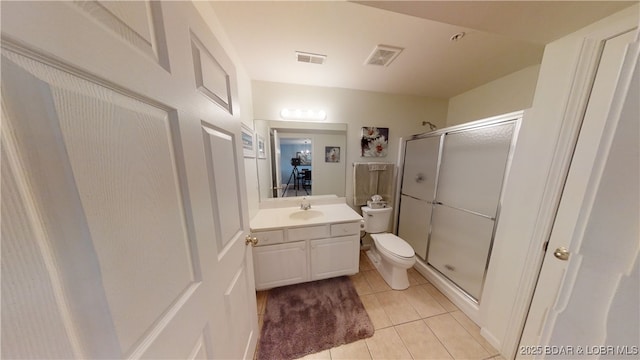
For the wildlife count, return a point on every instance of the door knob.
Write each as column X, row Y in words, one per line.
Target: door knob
column 251, row 240
column 562, row 253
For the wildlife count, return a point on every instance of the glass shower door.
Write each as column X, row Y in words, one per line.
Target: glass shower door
column 418, row 191
column 469, row 185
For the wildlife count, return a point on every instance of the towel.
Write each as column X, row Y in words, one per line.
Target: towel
column 372, row 179
column 379, row 166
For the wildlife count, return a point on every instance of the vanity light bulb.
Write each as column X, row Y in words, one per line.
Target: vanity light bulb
column 299, row 114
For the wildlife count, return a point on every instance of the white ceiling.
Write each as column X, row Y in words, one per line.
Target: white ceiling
column 501, row 37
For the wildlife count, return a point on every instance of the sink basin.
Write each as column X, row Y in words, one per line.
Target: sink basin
column 306, row 214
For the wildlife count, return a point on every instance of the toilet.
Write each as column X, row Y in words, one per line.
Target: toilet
column 391, row 255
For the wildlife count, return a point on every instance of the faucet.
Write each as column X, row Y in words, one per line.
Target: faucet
column 305, row 204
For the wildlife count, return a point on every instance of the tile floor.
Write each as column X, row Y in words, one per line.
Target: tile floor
column 416, row 323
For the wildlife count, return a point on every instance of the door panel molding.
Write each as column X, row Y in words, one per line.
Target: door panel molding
column 223, row 182
column 143, row 31
column 12, row 47
column 82, row 148
column 23, row 233
column 212, row 80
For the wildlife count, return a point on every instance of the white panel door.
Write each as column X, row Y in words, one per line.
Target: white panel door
column 592, row 299
column 275, row 159
column 128, row 206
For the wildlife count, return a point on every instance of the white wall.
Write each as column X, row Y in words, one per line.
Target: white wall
column 402, row 114
column 507, row 94
column 533, row 178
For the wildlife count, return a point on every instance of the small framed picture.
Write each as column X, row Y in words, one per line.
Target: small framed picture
column 305, row 157
column 248, row 144
column 332, row 154
column 262, row 151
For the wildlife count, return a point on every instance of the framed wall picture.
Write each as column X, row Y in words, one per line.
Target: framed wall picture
column 305, row 157
column 374, row 141
column 248, row 143
column 262, row 151
column 332, row 154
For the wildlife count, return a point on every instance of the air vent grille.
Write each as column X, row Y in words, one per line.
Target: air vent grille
column 383, row 55
column 310, row 58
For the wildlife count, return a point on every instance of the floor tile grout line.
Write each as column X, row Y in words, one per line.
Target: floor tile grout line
column 367, row 345
column 440, row 340
column 490, row 352
column 434, row 334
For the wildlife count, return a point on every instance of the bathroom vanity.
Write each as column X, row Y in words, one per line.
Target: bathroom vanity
column 295, row 245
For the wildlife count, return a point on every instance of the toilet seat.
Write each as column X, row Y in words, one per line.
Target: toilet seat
column 393, row 245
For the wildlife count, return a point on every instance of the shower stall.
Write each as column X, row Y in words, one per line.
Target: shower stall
column 449, row 200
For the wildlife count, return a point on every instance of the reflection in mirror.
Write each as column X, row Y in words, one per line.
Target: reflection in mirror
column 296, row 167
column 313, row 147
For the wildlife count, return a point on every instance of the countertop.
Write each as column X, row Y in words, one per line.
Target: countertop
column 285, row 217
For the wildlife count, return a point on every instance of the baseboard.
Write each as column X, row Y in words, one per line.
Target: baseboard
column 491, row 339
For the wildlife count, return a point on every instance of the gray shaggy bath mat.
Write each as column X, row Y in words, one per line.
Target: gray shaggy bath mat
column 307, row 318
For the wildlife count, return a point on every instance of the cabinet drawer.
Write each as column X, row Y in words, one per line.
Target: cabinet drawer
column 309, row 232
column 269, row 237
column 345, row 229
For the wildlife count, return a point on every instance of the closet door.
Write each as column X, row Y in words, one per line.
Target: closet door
column 470, row 181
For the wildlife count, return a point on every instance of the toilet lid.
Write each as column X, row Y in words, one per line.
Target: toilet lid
column 394, row 245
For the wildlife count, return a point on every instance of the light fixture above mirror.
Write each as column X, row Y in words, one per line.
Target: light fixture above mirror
column 303, row 115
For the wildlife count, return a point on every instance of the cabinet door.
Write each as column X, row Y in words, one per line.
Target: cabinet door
column 279, row 265
column 334, row 257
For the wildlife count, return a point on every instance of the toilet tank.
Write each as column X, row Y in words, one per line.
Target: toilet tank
column 376, row 220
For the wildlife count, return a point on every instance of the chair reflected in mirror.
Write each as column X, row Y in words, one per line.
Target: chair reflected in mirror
column 304, row 179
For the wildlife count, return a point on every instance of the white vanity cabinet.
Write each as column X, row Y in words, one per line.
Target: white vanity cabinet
column 305, row 253
column 337, row 255
column 279, row 265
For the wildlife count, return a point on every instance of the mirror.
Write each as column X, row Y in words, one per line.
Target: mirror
column 293, row 146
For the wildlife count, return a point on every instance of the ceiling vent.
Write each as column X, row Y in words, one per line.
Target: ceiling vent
column 310, row 58
column 383, row 55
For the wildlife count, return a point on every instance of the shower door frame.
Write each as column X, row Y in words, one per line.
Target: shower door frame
column 513, row 117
